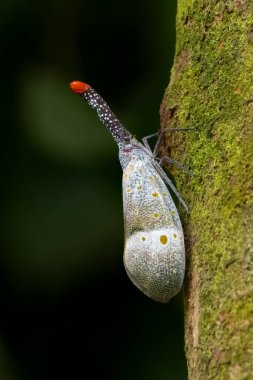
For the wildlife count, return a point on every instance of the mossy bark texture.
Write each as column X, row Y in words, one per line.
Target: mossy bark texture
column 211, row 90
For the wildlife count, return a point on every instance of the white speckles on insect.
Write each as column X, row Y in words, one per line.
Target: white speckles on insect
column 154, row 253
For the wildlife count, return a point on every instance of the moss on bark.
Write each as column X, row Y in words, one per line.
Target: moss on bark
column 211, row 89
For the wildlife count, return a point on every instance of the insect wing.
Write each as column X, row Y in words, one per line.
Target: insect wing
column 154, row 244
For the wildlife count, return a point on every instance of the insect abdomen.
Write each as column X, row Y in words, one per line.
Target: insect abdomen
column 154, row 261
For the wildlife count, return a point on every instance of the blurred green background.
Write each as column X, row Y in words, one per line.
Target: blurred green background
column 67, row 305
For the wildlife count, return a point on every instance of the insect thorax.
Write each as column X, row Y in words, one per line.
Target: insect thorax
column 126, row 152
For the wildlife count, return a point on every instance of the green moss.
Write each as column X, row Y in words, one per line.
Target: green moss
column 211, row 90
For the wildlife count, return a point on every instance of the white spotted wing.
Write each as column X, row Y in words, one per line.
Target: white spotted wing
column 154, row 253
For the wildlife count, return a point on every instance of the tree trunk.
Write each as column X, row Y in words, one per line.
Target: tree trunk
column 211, row 90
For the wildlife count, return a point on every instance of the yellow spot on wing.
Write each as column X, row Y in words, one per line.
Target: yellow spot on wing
column 155, row 195
column 139, row 187
column 175, row 235
column 128, row 190
column 143, row 238
column 156, row 215
column 163, row 239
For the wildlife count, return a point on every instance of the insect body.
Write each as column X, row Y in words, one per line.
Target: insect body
column 154, row 253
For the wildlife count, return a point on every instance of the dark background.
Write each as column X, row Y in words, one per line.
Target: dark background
column 67, row 305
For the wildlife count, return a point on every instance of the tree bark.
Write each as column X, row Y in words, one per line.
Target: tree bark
column 211, row 90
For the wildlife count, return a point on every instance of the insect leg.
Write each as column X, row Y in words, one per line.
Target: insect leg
column 162, row 134
column 145, row 141
column 169, row 182
column 171, row 161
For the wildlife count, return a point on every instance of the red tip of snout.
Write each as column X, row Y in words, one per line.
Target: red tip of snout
column 79, row 87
